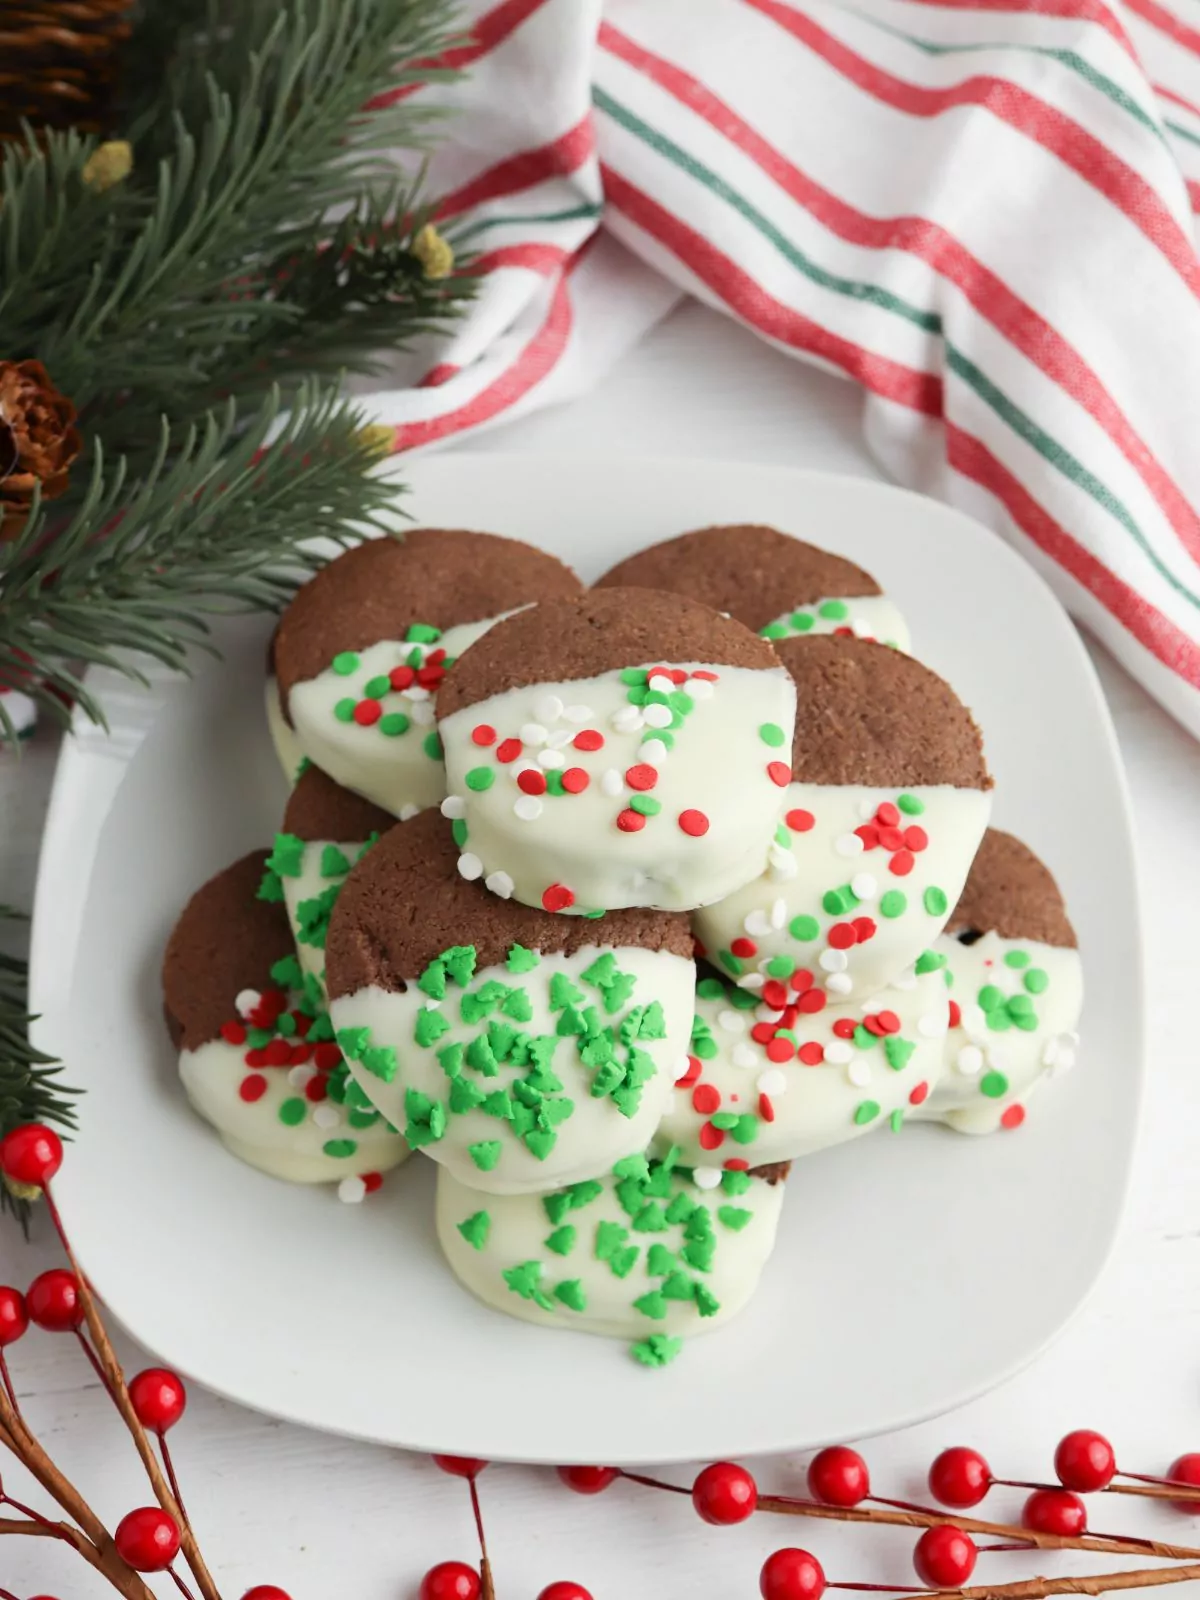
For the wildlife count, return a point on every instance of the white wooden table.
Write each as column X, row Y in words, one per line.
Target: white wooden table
column 330, row 1520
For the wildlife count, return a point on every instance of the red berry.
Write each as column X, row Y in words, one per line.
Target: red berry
column 460, row 1466
column 450, row 1581
column 147, row 1539
column 724, row 1494
column 14, row 1317
column 159, row 1398
column 1055, row 1511
column 791, row 1575
column 53, row 1301
column 838, row 1476
column 960, row 1478
column 32, row 1154
column 564, row 1590
column 944, row 1557
column 1085, row 1461
column 1186, row 1469
column 588, row 1480
column 266, row 1591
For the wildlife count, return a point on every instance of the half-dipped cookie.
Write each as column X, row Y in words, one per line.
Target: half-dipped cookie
column 361, row 650
column 257, row 1055
column 774, row 583
column 627, row 748
column 1016, row 990
column 889, row 799
column 284, row 738
column 519, row 1049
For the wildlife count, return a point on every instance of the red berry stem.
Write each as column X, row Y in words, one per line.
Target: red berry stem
column 653, row 1483
column 94, row 1362
column 180, row 1585
column 165, row 1451
column 487, row 1590
column 28, row 1511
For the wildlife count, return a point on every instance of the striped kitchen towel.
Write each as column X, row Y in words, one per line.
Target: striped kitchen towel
column 979, row 210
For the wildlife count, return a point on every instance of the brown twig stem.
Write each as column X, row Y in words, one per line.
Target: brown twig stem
column 1160, row 1489
column 123, row 1578
column 6, row 1379
column 1101, row 1583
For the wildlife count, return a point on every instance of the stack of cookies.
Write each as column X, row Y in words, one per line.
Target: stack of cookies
column 614, row 903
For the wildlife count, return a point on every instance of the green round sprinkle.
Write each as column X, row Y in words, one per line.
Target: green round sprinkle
column 993, row 1084
column 667, row 740
column 990, row 998
column 834, row 610
column 458, row 830
column 1020, row 1006
column 646, row 804
column 393, row 724
column 804, row 928
column 910, row 805
column 345, row 663
column 1036, row 980
column 780, row 967
column 893, row 904
column 432, row 746
column 422, row 633
column 730, row 962
column 682, row 702
column 866, row 1112
column 1017, row 958
column 773, row 630
column 339, row 1148
column 783, row 837
column 344, row 711
column 771, row 733
column 743, row 999
column 835, row 902
column 634, row 675
column 554, row 782
column 803, row 621
column 710, row 989
column 480, row 778
column 293, row 1111
column 935, row 900
column 377, row 687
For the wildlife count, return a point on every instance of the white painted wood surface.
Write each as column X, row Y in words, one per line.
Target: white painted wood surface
column 331, row 1520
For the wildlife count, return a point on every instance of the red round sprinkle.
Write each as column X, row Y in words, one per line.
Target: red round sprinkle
column 630, row 821
column 780, row 1050
column 709, row 677
column 902, row 863
column 373, row 1181
column 255, row 1058
column 316, row 1089
column 278, row 1053
column 891, row 838
column 844, row 1027
column 812, row 1000
column 367, row 712
column 558, row 897
column 916, row 838
column 889, row 1022
column 801, row 980
column 800, row 821
column 233, row 1032
column 693, row 822
column 429, row 676
column 736, row 1164
column 589, row 739
column 1013, row 1117
column 919, row 1095
column 691, row 1075
column 765, row 1109
column 788, row 1019
column 531, row 781
column 575, row 780
column 762, row 1032
column 401, row 678
column 326, row 1056
column 301, row 1055
column 641, row 776
column 779, row 772
column 873, row 1025
column 253, row 1087
column 435, row 657
column 841, row 936
column 887, row 815
column 706, row 1099
column 864, row 929
column 773, row 992
column 745, row 948
column 508, row 750
column 483, row 733
column 868, row 835
column 711, row 1138
column 955, row 1014
column 811, row 1053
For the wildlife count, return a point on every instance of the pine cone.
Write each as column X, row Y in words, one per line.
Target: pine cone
column 38, row 441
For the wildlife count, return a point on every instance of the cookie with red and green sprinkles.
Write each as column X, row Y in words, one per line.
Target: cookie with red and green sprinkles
column 775, row 583
column 775, row 1074
column 519, row 1049
column 257, row 1055
column 646, row 1252
column 326, row 829
column 888, row 800
column 1015, row 982
column 362, row 648
column 621, row 749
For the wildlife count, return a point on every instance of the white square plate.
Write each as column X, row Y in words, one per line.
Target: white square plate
column 912, row 1271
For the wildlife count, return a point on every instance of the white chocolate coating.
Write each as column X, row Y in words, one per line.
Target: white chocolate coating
column 837, row 1089
column 867, row 616
column 853, row 916
column 709, row 803
column 401, row 770
column 608, row 1286
column 544, row 1124
column 315, row 886
column 285, row 739
column 995, row 1061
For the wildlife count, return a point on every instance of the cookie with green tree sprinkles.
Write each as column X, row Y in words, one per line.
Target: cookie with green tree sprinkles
column 889, row 798
column 1013, row 971
column 522, row 1049
column 770, row 1078
column 775, row 583
column 575, row 1258
column 625, row 748
column 257, row 1054
column 363, row 647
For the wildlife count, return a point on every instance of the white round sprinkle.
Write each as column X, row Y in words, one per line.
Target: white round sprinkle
column 779, row 914
column 661, row 684
column 932, row 1025
column 654, row 751
column 422, row 714
column 246, row 1001
column 469, row 866
column 745, row 1055
column 864, row 885
column 861, row 627
column 627, row 720
column 548, row 708
column 859, row 1072
column 757, row 924
column 298, row 1076
column 657, row 716
column 766, row 1013
column 839, row 983
column 833, row 961
column 969, row 1060
column 352, row 1191
column 973, row 1019
column 578, row 713
column 326, row 1116
column 560, row 738
column 528, row 807
column 700, row 688
column 1050, row 1051
column 500, row 884
column 752, row 980
column 454, row 806
column 732, row 1021
column 417, row 693
column 612, row 782
column 866, row 809
column 681, row 1068
column 848, row 844
column 532, row 733
column 839, row 1052
column 550, row 758
column 782, row 863
column 772, row 1082
column 905, row 980
column 707, row 1177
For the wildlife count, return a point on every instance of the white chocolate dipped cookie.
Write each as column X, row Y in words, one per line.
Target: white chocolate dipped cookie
column 284, row 738
column 326, row 829
column 520, row 1050
column 1016, row 990
column 362, row 648
column 644, row 1252
column 770, row 1081
column 257, row 1056
column 890, row 798
column 627, row 748
column 776, row 584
